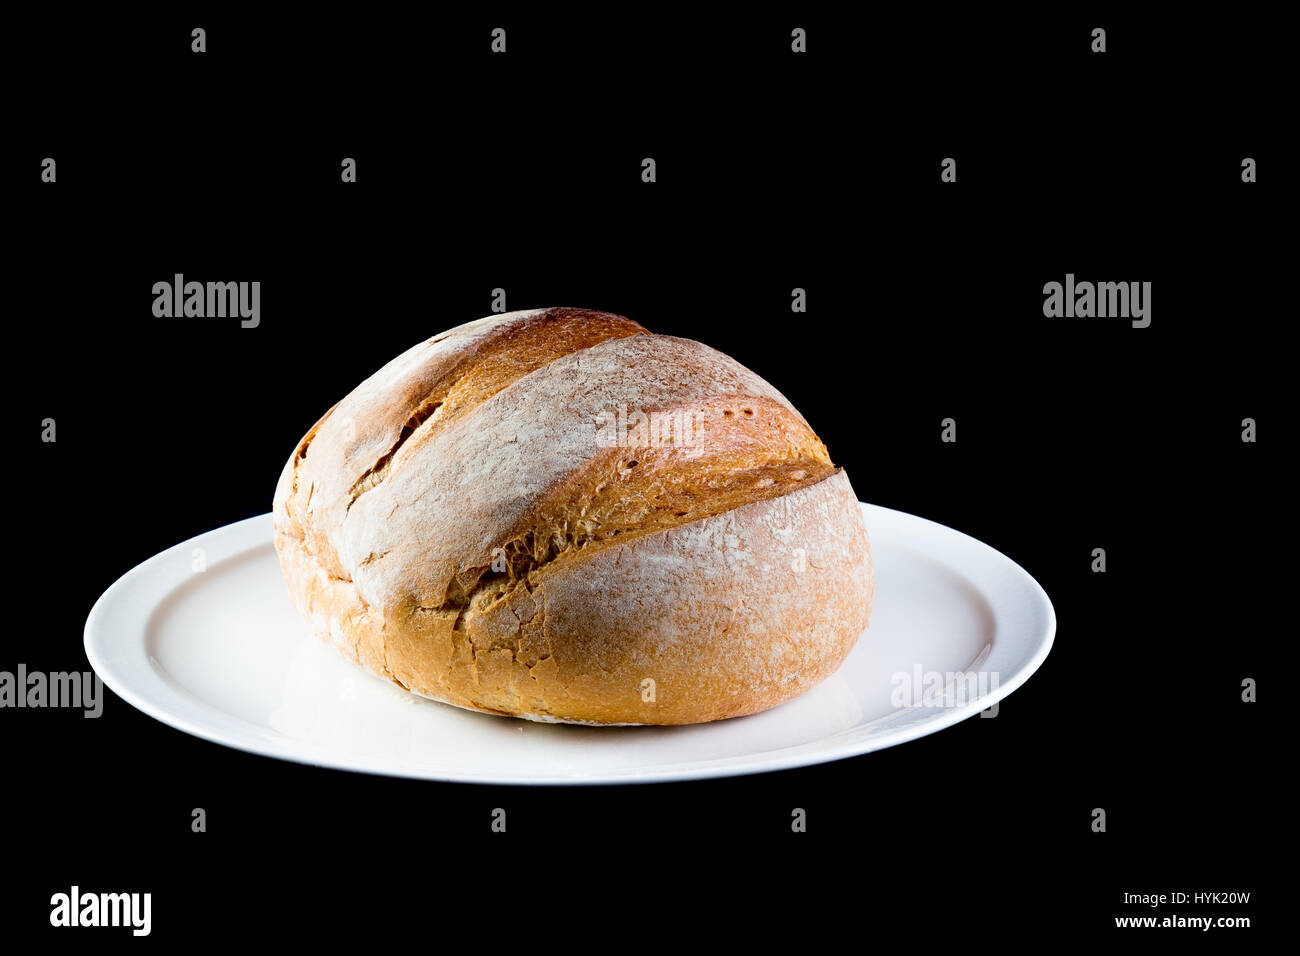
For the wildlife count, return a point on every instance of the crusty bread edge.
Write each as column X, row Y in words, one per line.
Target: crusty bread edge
column 336, row 612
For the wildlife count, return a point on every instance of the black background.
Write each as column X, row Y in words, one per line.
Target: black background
column 775, row 171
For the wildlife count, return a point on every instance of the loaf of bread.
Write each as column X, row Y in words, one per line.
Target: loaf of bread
column 557, row 515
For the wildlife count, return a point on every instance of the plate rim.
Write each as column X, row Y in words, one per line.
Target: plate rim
column 310, row 754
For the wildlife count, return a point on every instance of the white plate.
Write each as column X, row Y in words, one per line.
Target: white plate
column 223, row 655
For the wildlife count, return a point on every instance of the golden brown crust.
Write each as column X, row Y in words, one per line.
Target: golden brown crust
column 464, row 525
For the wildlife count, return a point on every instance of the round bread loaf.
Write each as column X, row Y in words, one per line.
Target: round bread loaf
column 557, row 515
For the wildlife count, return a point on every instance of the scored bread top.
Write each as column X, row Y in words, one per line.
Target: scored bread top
column 513, row 442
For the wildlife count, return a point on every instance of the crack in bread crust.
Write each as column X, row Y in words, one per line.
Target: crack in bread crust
column 745, row 451
column 519, row 350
